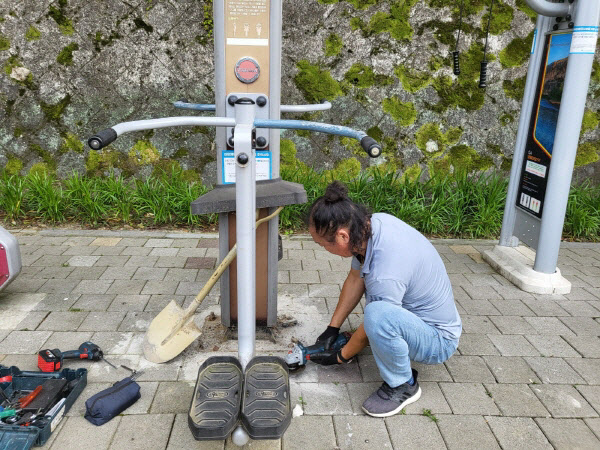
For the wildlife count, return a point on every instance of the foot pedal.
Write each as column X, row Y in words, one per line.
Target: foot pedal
column 266, row 405
column 217, row 398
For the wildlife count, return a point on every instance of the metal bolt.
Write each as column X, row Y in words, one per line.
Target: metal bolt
column 261, row 141
column 261, row 101
column 232, row 99
column 571, row 24
column 230, row 141
column 243, row 159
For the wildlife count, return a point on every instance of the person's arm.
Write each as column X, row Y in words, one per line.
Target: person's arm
column 352, row 291
column 357, row 342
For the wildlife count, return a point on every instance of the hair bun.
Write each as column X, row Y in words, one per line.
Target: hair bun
column 335, row 192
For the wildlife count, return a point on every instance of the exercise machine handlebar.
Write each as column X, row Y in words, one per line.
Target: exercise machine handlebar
column 105, row 137
column 323, row 106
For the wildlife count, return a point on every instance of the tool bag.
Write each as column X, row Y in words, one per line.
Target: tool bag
column 106, row 404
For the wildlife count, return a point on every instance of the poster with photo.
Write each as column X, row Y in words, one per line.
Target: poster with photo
column 542, row 127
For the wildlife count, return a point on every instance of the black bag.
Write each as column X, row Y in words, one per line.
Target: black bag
column 106, row 404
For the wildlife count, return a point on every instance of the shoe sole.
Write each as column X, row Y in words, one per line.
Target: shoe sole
column 408, row 401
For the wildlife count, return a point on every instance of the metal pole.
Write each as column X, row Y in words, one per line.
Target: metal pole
column 577, row 81
column 549, row 9
column 507, row 238
column 245, row 204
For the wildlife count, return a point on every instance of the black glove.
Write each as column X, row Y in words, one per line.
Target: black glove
column 326, row 358
column 328, row 337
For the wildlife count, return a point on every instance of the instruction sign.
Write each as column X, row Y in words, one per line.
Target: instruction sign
column 542, row 128
column 263, row 166
column 584, row 40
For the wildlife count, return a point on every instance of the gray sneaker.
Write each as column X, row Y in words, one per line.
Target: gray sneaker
column 387, row 401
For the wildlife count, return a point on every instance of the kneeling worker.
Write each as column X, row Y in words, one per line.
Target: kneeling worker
column 410, row 312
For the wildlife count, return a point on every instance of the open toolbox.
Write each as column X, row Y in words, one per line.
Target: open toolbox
column 18, row 437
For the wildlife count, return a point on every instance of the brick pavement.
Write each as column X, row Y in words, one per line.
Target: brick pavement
column 526, row 374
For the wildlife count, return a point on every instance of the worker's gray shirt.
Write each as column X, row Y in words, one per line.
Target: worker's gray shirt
column 402, row 267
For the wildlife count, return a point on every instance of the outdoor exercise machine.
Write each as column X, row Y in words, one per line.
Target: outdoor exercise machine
column 556, row 88
column 253, row 390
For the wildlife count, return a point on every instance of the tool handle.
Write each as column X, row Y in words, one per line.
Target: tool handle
column 8, row 413
column 24, row 401
column 455, row 59
column 217, row 274
column 73, row 354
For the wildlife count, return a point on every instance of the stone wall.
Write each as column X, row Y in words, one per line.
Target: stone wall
column 74, row 67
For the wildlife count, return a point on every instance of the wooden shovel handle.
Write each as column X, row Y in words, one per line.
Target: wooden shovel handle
column 219, row 271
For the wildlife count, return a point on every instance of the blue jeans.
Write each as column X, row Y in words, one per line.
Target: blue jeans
column 397, row 336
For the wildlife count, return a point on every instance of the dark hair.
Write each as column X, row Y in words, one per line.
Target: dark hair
column 334, row 210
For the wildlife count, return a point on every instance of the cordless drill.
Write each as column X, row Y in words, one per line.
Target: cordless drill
column 297, row 356
column 51, row 360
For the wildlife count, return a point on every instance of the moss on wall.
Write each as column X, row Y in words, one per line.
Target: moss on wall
column 461, row 158
column 143, row 152
column 53, row 112
column 362, row 76
column 333, row 45
column 4, row 42
column 395, row 22
column 13, row 166
column 65, row 57
column 32, row 34
column 587, row 153
column 502, row 16
column 522, row 6
column 45, row 155
column 515, row 88
column 590, row 121
column 431, row 140
column 71, row 143
column 402, row 112
column 412, row 80
column 345, row 169
column 56, row 11
column 516, row 52
column 315, row 83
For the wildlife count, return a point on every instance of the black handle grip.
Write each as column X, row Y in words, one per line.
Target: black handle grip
column 483, row 75
column 456, row 62
column 244, row 101
column 370, row 146
column 102, row 139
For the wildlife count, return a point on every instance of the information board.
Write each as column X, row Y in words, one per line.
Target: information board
column 542, row 128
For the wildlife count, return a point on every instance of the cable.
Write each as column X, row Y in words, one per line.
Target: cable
column 455, row 53
column 483, row 72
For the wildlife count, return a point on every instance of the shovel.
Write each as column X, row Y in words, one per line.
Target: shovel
column 173, row 329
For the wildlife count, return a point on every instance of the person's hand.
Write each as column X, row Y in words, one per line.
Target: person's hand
column 328, row 337
column 326, row 358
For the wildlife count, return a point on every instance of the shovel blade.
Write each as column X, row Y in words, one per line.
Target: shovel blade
column 158, row 346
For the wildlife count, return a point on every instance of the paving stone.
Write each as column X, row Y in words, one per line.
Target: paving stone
column 112, row 343
column 594, row 425
column 368, row 368
column 323, row 290
column 359, row 392
column 512, row 325
column 191, row 253
column 78, row 408
column 553, row 370
column 20, row 301
column 518, row 433
column 159, row 301
column 468, row 398
column 87, row 273
column 118, row 273
column 142, row 261
column 293, row 290
column 469, row 369
column 568, row 434
column 159, row 243
column 173, row 397
column 290, row 264
column 160, row 287
column 170, row 262
column 80, row 250
column 588, row 368
column 476, row 344
column 283, row 276
column 576, row 293
column 588, row 346
column 200, row 263
column 126, row 287
column 513, row 345
column 23, row 342
column 59, row 287
column 55, row 272
column 431, row 399
column 136, row 321
column 579, row 308
column 511, row 369
column 563, row 401
column 546, row 308
column 549, row 345
column 182, row 438
column 63, row 321
column 478, row 325
column 90, row 302
column 414, row 432
column 431, row 372
column 129, row 303
column 295, row 438
column 304, row 276
column 548, row 325
column 479, row 307
column 455, row 428
column 512, row 307
column 132, row 242
column 56, row 302
column 512, row 293
column 345, row 373
column 591, row 394
column 175, row 274
column 301, row 254
column 92, row 287
column 106, row 241
column 142, row 432
column 67, row 340
column 164, row 252
column 360, row 432
column 150, row 273
column 23, row 362
column 82, row 261
column 9, row 320
column 481, row 279
column 136, row 251
column 329, row 277
column 481, row 292
column 96, row 438
column 326, row 399
column 516, row 400
column 102, row 321
column 31, row 321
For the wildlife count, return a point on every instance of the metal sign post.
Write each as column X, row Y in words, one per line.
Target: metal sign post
column 558, row 78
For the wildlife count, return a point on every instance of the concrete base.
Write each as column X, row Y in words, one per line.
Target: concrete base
column 516, row 265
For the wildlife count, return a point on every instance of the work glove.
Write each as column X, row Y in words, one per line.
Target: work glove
column 326, row 358
column 328, row 337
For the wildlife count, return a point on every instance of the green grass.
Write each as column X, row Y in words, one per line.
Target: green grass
column 459, row 206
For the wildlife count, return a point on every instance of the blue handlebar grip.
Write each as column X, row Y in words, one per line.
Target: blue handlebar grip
column 102, row 139
column 370, row 146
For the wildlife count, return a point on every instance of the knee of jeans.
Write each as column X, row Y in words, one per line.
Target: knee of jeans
column 377, row 316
